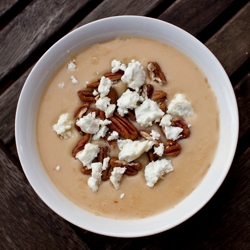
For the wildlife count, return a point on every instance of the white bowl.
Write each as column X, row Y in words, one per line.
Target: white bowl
column 103, row 30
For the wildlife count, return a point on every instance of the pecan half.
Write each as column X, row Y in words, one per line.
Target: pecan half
column 155, row 73
column 123, row 127
column 103, row 153
column 147, row 135
column 152, row 156
column 93, row 85
column 112, row 95
column 131, row 115
column 86, row 96
column 147, row 90
column 81, row 111
column 182, row 124
column 163, row 106
column 86, row 171
column 173, row 148
column 114, row 76
column 81, row 144
column 131, row 168
column 159, row 96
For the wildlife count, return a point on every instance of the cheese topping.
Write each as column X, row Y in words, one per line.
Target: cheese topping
column 159, row 150
column 72, row 65
column 96, row 174
column 116, row 176
column 156, row 169
column 116, row 65
column 63, row 126
column 172, row 133
column 104, row 86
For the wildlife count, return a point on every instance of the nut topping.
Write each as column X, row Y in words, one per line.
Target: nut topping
column 81, row 144
column 163, row 106
column 112, row 95
column 182, row 124
column 155, row 73
column 147, row 135
column 81, row 111
column 86, row 96
column 172, row 149
column 147, row 90
column 114, row 76
column 86, row 171
column 123, row 127
column 159, row 96
column 152, row 156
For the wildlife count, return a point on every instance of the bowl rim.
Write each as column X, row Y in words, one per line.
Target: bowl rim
column 128, row 231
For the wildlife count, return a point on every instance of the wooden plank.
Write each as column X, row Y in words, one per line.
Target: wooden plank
column 242, row 92
column 26, row 222
column 31, row 28
column 222, row 224
column 110, row 8
column 194, row 15
column 6, row 5
column 231, row 44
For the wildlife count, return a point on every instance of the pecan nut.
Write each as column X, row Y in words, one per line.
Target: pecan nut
column 114, row 76
column 86, row 171
column 147, row 135
column 112, row 95
column 159, row 96
column 155, row 73
column 81, row 111
column 147, row 90
column 152, row 156
column 86, row 96
column 81, row 144
column 173, row 148
column 163, row 106
column 182, row 124
column 123, row 127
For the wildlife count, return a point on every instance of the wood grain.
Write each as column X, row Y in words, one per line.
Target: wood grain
column 194, row 15
column 110, row 8
column 6, row 5
column 31, row 28
column 231, row 44
column 26, row 222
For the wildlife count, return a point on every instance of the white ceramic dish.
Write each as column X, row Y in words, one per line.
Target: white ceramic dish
column 100, row 31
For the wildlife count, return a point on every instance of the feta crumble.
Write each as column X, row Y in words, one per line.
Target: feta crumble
column 73, row 80
column 172, row 133
column 104, row 105
column 122, row 196
column 156, row 169
column 166, row 120
column 155, row 135
column 116, row 176
column 180, row 106
column 104, row 86
column 116, row 65
column 96, row 174
column 72, row 65
column 101, row 133
column 134, row 75
column 128, row 100
column 58, row 168
column 89, row 123
column 113, row 136
column 63, row 126
column 159, row 150
column 61, row 85
column 147, row 113
column 88, row 154
column 105, row 163
column 131, row 150
column 95, row 93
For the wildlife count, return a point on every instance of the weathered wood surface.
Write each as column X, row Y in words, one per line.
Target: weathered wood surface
column 6, row 5
column 25, row 221
column 31, row 28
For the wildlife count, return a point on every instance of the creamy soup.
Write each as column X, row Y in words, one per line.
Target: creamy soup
column 138, row 200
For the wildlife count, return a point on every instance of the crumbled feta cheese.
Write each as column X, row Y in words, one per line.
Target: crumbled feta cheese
column 104, row 86
column 155, row 170
column 96, row 174
column 166, row 120
column 172, row 133
column 88, row 154
column 147, row 113
column 58, row 168
column 72, row 65
column 116, row 176
column 95, row 93
column 63, row 126
column 104, row 105
column 155, row 135
column 73, row 80
column 131, row 150
column 159, row 150
column 101, row 133
column 122, row 196
column 128, row 100
column 180, row 106
column 134, row 75
column 105, row 163
column 61, row 85
column 89, row 124
column 116, row 65
column 113, row 136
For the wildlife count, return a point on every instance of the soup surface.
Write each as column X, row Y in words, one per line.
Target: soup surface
column 139, row 200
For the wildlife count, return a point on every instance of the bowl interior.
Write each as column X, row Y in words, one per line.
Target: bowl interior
column 100, row 31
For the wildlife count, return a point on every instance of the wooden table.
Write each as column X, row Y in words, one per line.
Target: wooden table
column 28, row 28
